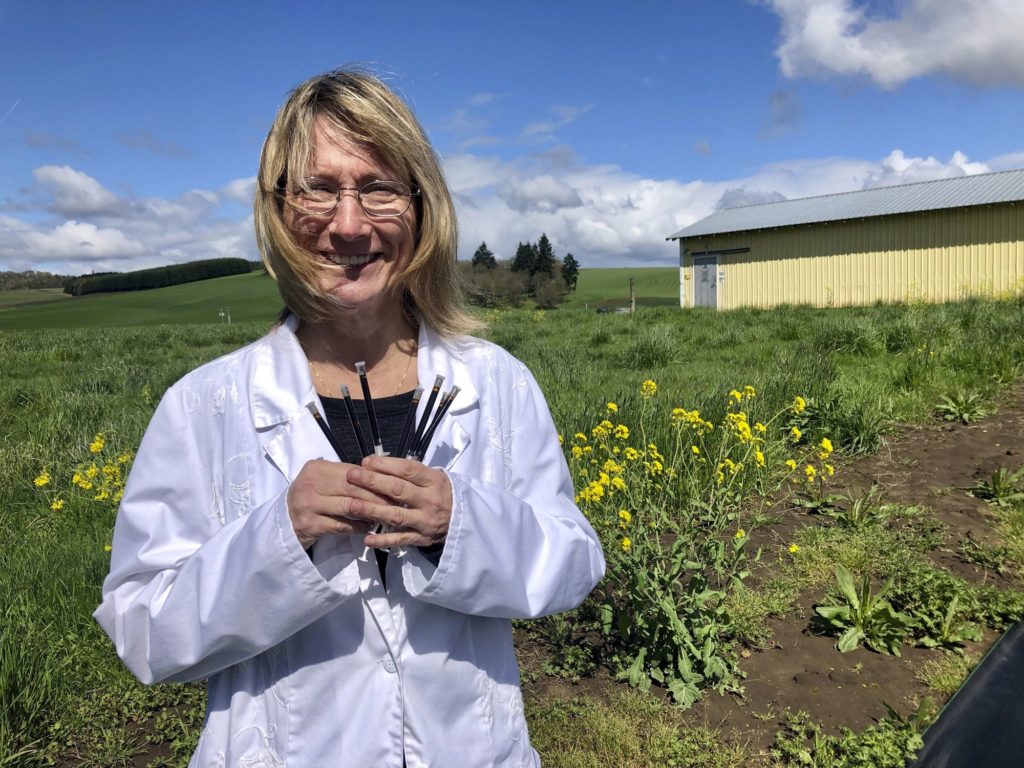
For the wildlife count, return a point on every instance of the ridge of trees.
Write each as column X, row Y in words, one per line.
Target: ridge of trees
column 534, row 271
column 157, row 277
column 30, row 280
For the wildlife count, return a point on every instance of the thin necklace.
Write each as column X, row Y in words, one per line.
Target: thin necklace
column 326, row 389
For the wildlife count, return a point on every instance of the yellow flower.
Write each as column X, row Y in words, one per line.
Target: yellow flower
column 740, row 533
column 760, row 428
column 612, row 408
column 796, row 434
column 580, row 436
column 42, row 479
column 695, row 450
column 618, row 484
column 794, row 548
column 561, row 440
column 577, row 452
column 624, row 517
column 97, row 443
column 57, row 505
column 626, row 544
column 799, row 404
column 632, row 454
column 811, row 473
column 749, row 392
column 594, row 491
column 622, row 432
column 648, row 389
column 826, row 448
column 108, row 548
column 791, row 463
column 759, row 458
column 829, row 469
column 735, row 396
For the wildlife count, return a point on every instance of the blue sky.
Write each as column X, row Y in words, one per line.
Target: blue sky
column 130, row 132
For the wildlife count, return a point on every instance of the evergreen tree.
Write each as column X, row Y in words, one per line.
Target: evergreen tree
column 483, row 258
column 570, row 271
column 524, row 258
column 544, row 258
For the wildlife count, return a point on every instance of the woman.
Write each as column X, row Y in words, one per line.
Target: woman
column 243, row 550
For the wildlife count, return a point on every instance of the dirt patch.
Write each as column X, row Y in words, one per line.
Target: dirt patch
column 930, row 466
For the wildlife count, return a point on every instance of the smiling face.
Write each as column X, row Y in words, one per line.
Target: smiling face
column 361, row 256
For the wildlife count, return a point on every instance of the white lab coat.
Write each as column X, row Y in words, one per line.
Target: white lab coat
column 310, row 663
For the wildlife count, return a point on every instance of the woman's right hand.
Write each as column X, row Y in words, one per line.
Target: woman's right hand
column 319, row 498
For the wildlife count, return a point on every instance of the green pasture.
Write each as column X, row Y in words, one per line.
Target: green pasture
column 9, row 299
column 254, row 297
column 248, row 297
column 654, row 287
column 77, row 367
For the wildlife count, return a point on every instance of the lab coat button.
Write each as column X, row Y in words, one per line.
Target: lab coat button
column 389, row 665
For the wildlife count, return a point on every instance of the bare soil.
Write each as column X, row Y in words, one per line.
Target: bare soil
column 930, row 466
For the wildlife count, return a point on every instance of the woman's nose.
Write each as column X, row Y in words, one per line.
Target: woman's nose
column 349, row 220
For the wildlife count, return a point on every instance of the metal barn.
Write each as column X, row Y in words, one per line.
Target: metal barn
column 933, row 240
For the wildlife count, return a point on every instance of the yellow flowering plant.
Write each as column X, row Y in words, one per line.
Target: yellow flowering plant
column 99, row 477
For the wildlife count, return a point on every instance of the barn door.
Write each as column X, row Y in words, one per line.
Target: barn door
column 705, row 281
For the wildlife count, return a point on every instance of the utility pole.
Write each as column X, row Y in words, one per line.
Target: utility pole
column 632, row 296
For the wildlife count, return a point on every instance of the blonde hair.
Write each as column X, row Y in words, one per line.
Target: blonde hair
column 364, row 110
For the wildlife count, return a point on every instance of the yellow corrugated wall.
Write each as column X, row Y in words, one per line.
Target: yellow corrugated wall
column 932, row 255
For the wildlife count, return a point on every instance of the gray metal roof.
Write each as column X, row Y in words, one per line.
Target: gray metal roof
column 960, row 192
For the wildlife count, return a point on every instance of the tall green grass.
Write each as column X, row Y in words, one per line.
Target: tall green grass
column 860, row 368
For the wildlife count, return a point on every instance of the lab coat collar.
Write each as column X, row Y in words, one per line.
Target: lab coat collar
column 446, row 357
column 282, row 388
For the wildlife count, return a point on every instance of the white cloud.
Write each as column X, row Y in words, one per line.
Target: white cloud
column 896, row 168
column 81, row 240
column 540, row 193
column 738, row 196
column 92, row 229
column 624, row 219
column 977, row 41
column 75, row 193
column 604, row 215
column 242, row 190
column 544, row 131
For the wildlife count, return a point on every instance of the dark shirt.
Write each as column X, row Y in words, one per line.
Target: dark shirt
column 391, row 413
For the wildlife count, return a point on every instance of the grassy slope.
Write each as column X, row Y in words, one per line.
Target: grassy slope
column 249, row 297
column 254, row 297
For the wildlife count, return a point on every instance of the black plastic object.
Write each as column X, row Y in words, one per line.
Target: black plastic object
column 982, row 724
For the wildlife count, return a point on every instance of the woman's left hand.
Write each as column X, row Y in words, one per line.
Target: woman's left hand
column 421, row 496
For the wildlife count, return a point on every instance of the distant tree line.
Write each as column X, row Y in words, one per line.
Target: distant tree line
column 158, row 277
column 535, row 271
column 30, row 279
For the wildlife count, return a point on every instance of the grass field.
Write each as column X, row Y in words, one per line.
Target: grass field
column 64, row 697
column 9, row 299
column 254, row 297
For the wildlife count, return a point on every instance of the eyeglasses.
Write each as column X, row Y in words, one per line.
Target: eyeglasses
column 381, row 199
